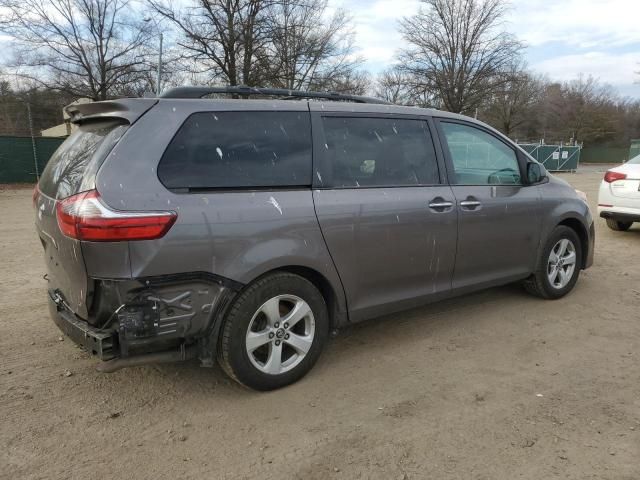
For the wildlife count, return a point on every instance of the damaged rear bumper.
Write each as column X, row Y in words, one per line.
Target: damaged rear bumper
column 99, row 343
column 149, row 318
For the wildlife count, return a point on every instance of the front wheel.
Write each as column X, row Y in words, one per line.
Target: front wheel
column 558, row 265
column 618, row 226
column 274, row 332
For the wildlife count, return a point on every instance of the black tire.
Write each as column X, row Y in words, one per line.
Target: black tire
column 232, row 352
column 539, row 284
column 618, row 226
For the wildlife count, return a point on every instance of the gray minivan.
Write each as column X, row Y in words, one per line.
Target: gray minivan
column 247, row 230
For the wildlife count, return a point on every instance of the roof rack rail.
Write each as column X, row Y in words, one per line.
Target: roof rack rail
column 199, row 92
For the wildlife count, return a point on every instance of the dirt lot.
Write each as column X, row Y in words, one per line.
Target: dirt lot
column 495, row 385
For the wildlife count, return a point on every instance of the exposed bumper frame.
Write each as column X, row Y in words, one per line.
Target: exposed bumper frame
column 100, row 343
column 209, row 307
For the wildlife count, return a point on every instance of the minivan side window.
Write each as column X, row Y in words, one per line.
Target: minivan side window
column 376, row 152
column 479, row 158
column 239, row 150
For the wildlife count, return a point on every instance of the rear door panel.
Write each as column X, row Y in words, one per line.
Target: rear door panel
column 386, row 244
column 390, row 249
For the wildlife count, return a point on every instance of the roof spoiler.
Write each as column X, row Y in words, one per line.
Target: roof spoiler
column 129, row 109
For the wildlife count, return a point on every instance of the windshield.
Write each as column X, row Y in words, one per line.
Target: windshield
column 71, row 169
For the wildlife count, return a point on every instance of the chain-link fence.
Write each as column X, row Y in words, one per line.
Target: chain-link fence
column 23, row 151
column 596, row 154
column 634, row 150
column 23, row 158
column 555, row 158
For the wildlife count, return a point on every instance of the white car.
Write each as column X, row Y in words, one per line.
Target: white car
column 619, row 196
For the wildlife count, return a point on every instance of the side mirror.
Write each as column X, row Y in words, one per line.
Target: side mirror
column 536, row 173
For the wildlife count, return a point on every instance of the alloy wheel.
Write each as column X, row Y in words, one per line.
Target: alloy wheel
column 561, row 264
column 280, row 334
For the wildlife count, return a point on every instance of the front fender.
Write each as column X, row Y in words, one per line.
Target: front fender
column 561, row 205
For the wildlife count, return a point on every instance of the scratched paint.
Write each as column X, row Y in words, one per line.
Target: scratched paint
column 275, row 203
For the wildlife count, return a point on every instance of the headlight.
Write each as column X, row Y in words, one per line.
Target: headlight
column 581, row 195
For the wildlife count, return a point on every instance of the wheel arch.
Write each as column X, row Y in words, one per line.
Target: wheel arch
column 577, row 226
column 336, row 305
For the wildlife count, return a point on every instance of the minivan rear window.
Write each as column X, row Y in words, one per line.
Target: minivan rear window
column 239, row 150
column 72, row 167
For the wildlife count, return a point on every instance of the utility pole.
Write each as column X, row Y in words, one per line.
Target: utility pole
column 33, row 142
column 158, row 90
column 159, row 73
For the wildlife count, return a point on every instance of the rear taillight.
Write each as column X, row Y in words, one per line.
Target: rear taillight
column 85, row 217
column 610, row 176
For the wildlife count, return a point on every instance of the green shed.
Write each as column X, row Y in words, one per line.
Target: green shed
column 555, row 158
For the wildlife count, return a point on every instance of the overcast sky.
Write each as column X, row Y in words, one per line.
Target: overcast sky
column 564, row 37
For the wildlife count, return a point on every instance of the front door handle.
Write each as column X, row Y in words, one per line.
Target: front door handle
column 470, row 204
column 440, row 204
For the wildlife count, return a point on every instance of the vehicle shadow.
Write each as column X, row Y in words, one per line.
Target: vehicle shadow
column 382, row 335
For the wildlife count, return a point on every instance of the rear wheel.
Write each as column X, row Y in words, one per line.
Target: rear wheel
column 618, row 226
column 558, row 265
column 274, row 332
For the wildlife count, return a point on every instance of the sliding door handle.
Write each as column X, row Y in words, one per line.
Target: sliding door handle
column 470, row 204
column 440, row 205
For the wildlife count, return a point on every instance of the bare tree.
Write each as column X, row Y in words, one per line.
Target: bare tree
column 82, row 47
column 46, row 107
column 393, row 86
column 583, row 110
column 173, row 71
column 353, row 82
column 457, row 50
column 280, row 43
column 306, row 49
column 515, row 100
column 398, row 86
column 224, row 38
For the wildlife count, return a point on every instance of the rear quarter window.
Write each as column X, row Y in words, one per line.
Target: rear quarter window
column 72, row 167
column 239, row 150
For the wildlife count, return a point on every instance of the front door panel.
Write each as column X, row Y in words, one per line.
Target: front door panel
column 498, row 214
column 498, row 233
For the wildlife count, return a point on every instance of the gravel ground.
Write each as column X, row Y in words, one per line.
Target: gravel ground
column 494, row 385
